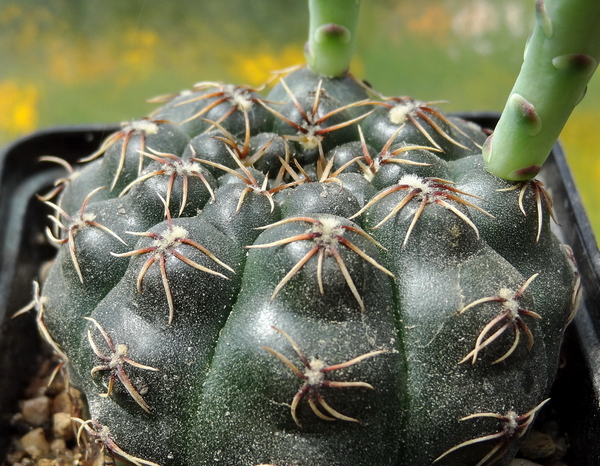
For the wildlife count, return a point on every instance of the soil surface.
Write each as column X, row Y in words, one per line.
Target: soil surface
column 45, row 432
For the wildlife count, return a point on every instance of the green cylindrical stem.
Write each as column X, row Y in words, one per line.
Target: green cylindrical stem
column 332, row 36
column 560, row 58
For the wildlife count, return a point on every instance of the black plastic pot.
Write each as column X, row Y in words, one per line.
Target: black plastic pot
column 24, row 250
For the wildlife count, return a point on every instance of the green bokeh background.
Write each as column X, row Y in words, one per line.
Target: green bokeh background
column 68, row 62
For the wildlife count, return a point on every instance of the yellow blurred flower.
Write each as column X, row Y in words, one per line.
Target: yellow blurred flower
column 18, row 108
column 138, row 55
column 255, row 69
column 580, row 142
column 139, row 47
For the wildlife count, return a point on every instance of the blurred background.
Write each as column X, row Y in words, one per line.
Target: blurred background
column 68, row 62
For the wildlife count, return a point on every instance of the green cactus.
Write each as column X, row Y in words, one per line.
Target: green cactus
column 560, row 58
column 321, row 276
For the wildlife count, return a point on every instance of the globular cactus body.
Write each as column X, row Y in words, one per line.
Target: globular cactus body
column 305, row 282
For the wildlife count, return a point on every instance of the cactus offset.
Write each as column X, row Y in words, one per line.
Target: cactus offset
column 318, row 277
column 561, row 56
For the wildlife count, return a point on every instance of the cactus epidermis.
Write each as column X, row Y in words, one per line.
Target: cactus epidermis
column 319, row 277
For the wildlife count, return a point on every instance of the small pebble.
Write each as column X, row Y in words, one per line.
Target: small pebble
column 35, row 443
column 15, row 456
column 538, row 445
column 62, row 403
column 62, row 426
column 53, row 442
column 26, row 462
column 56, row 386
column 58, row 447
column 47, row 462
column 561, row 447
column 36, row 411
column 522, row 462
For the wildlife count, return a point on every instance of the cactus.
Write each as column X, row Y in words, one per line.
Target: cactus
column 560, row 58
column 322, row 276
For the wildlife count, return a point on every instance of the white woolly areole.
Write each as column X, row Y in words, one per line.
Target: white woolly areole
column 415, row 182
column 170, row 238
column 83, row 220
column 144, row 126
column 511, row 303
column 314, row 375
column 117, row 357
column 397, row 114
column 238, row 98
column 329, row 228
column 183, row 168
column 511, row 422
